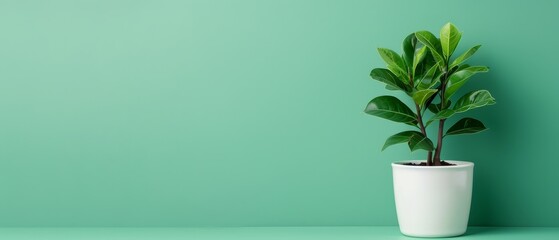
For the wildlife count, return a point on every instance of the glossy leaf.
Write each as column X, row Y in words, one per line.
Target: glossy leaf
column 443, row 114
column 436, row 108
column 450, row 36
column 394, row 61
column 466, row 125
column 409, row 45
column 467, row 102
column 429, row 101
column 461, row 67
column 423, row 67
column 398, row 72
column 387, row 77
column 452, row 70
column 475, row 68
column 459, row 78
column 421, row 96
column 391, row 108
column 420, row 141
column 460, row 59
column 401, row 137
column 429, row 40
column 473, row 100
column 428, row 80
column 419, row 56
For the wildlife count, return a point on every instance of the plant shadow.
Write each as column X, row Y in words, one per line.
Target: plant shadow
column 487, row 148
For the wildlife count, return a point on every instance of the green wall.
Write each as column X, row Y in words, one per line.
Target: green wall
column 249, row 113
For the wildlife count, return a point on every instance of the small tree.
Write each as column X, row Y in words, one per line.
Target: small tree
column 426, row 73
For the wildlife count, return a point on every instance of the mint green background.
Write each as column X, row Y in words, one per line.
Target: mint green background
column 249, row 113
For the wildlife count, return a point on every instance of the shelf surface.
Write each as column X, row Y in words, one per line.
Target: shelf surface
column 263, row 233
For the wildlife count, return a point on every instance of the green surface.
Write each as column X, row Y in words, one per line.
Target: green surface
column 263, row 233
column 249, row 113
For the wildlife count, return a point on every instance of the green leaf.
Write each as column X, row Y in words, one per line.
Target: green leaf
column 460, row 59
column 391, row 108
column 397, row 71
column 386, row 76
column 429, row 101
column 419, row 56
column 394, row 61
column 429, row 40
column 443, row 114
column 474, row 99
column 450, row 36
column 467, row 102
column 475, row 68
column 420, row 141
column 459, row 78
column 401, row 137
column 461, row 67
column 436, row 108
column 429, row 75
column 409, row 49
column 421, row 96
column 416, row 140
column 466, row 125
column 452, row 70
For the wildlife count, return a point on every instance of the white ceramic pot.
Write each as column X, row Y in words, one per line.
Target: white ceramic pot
column 433, row 201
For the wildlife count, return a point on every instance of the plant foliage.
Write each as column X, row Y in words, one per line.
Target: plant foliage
column 431, row 77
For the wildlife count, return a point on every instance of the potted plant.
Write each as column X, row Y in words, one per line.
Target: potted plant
column 432, row 196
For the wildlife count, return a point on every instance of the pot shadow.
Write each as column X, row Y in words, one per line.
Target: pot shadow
column 477, row 231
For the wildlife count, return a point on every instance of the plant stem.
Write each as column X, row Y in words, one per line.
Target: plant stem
column 422, row 128
column 420, row 121
column 437, row 157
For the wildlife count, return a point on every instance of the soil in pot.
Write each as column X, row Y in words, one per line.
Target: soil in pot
column 443, row 163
